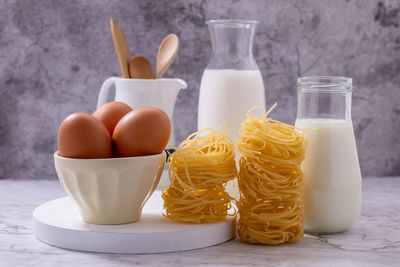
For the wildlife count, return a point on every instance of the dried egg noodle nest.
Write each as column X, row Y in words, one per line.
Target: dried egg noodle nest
column 271, row 182
column 198, row 171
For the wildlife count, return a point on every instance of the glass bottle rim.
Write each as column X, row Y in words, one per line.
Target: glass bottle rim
column 233, row 22
column 324, row 84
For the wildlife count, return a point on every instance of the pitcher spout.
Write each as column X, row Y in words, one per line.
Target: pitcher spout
column 173, row 84
column 168, row 90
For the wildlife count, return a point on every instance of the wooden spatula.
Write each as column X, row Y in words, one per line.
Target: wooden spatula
column 122, row 48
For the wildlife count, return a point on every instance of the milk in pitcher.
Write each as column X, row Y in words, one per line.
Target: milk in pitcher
column 227, row 95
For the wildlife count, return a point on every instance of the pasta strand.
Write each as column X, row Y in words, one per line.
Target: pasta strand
column 198, row 171
column 270, row 179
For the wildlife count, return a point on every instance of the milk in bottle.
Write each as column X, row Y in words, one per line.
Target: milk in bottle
column 332, row 197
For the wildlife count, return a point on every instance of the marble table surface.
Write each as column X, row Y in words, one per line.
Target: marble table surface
column 373, row 241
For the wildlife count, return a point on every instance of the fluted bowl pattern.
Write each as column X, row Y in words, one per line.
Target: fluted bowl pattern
column 110, row 191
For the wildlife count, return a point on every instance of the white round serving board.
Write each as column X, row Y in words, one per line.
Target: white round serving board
column 59, row 223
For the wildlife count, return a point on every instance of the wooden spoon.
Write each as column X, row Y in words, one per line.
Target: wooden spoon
column 166, row 54
column 140, row 68
column 121, row 46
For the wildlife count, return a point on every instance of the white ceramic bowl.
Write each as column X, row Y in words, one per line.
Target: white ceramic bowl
column 110, row 191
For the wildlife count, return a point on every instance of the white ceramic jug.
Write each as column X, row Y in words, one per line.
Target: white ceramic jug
column 137, row 93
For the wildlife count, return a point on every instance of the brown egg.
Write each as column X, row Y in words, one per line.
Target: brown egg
column 143, row 131
column 110, row 113
column 83, row 136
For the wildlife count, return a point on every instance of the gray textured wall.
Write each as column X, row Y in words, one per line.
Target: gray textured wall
column 54, row 56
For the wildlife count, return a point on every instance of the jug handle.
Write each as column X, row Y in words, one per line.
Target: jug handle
column 104, row 90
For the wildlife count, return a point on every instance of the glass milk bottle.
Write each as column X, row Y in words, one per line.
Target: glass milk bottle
column 232, row 82
column 332, row 172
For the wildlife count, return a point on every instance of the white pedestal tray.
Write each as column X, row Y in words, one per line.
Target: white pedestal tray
column 58, row 223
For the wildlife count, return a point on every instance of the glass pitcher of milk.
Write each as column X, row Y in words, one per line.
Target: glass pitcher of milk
column 332, row 171
column 232, row 82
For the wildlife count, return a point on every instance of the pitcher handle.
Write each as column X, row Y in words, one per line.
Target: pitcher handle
column 104, row 90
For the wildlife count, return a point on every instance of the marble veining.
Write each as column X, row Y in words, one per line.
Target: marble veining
column 373, row 241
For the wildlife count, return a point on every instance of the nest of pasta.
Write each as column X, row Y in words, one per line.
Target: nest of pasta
column 198, row 171
column 271, row 182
